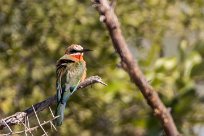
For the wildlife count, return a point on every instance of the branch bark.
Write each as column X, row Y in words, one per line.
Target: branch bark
column 19, row 117
column 108, row 16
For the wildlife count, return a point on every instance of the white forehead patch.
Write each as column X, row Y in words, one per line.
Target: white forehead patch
column 78, row 47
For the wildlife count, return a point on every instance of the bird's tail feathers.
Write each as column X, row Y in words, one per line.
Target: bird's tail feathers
column 60, row 113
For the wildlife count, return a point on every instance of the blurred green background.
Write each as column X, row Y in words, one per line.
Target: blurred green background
column 165, row 36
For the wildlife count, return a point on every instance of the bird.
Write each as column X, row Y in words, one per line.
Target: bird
column 70, row 71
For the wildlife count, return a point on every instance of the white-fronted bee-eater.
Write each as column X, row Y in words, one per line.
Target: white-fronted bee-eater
column 71, row 70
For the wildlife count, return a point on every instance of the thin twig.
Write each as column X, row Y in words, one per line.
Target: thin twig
column 51, row 112
column 39, row 121
column 31, row 129
column 26, row 128
column 28, row 123
column 51, row 124
column 7, row 126
column 25, row 125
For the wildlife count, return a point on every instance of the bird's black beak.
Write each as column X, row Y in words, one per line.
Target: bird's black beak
column 86, row 50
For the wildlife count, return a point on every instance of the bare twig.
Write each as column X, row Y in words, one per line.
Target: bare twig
column 27, row 121
column 131, row 67
column 7, row 125
column 19, row 117
column 30, row 129
column 52, row 125
column 26, row 128
column 51, row 112
column 39, row 121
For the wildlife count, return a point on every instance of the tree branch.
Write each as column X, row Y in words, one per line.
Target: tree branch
column 19, row 117
column 108, row 16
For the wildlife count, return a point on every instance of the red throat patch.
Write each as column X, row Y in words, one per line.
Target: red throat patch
column 79, row 57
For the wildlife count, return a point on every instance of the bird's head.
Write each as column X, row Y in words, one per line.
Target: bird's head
column 76, row 51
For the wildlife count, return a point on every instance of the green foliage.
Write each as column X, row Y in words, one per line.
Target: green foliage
column 166, row 37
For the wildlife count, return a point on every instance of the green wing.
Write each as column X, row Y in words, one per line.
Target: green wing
column 62, row 95
column 61, row 73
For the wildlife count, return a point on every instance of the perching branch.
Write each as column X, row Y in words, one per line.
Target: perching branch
column 19, row 117
column 29, row 130
column 108, row 16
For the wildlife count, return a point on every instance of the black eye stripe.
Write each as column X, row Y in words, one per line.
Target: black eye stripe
column 73, row 51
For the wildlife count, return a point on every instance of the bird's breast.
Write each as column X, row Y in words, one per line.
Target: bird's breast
column 75, row 72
